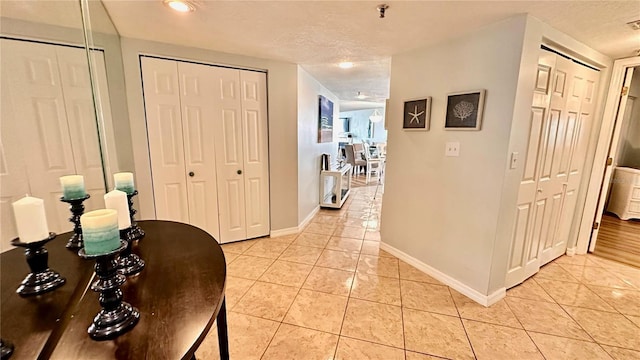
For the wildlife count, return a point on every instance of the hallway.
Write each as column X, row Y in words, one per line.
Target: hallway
column 331, row 293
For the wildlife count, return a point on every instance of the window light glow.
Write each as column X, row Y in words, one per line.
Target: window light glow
column 346, row 65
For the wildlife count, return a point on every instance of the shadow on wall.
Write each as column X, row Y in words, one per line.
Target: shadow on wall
column 630, row 157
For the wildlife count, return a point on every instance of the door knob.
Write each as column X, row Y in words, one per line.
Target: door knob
column 539, row 190
column 191, row 173
column 239, row 172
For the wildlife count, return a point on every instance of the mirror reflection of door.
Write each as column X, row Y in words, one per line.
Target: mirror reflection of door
column 618, row 234
column 48, row 129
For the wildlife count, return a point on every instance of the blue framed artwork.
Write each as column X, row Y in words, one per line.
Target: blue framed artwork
column 325, row 120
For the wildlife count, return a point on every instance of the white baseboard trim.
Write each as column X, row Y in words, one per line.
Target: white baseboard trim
column 482, row 299
column 571, row 251
column 296, row 229
column 283, row 232
column 308, row 219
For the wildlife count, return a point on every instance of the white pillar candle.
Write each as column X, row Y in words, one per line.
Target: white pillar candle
column 72, row 187
column 124, row 182
column 100, row 231
column 31, row 220
column 117, row 200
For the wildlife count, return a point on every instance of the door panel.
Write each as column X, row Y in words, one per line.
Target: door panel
column 166, row 147
column 198, row 125
column 531, row 211
column 37, row 101
column 83, row 128
column 565, row 90
column 255, row 151
column 229, row 154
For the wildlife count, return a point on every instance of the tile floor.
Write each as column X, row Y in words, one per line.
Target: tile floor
column 331, row 293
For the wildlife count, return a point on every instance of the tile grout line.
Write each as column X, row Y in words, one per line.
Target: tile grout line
column 523, row 328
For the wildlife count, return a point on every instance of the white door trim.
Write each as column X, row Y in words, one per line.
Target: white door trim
column 602, row 151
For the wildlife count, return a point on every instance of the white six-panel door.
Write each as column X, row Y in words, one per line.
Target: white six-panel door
column 48, row 129
column 198, row 128
column 560, row 125
column 166, row 144
column 221, row 113
column 230, row 159
column 255, row 127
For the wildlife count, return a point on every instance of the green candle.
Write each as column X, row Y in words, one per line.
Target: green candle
column 100, row 231
column 73, row 187
column 124, row 182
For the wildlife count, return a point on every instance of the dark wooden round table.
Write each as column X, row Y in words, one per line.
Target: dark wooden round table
column 179, row 294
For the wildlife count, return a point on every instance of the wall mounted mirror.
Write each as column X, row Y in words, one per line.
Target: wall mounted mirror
column 48, row 120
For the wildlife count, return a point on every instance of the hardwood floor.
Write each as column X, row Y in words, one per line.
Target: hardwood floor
column 619, row 240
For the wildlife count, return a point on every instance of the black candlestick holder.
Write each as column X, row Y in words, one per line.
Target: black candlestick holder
column 129, row 263
column 135, row 233
column 6, row 349
column 77, row 209
column 116, row 316
column 42, row 278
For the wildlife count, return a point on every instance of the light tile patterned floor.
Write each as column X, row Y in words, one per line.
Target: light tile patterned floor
column 331, row 293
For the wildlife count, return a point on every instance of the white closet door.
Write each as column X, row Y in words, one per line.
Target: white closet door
column 38, row 105
column 560, row 125
column 256, row 148
column 14, row 182
column 83, row 129
column 197, row 88
column 229, row 154
column 166, row 147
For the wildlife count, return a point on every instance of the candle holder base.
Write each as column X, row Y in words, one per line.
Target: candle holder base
column 129, row 263
column 77, row 209
column 116, row 316
column 109, row 324
column 134, row 232
column 6, row 349
column 42, row 278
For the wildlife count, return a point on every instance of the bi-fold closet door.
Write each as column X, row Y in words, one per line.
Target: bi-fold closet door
column 207, row 129
column 560, row 125
column 48, row 128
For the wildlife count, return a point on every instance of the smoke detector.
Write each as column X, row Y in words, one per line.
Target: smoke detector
column 635, row 25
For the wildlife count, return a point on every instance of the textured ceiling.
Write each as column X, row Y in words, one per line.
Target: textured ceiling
column 319, row 34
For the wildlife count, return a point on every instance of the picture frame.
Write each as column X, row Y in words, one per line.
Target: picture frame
column 325, row 120
column 417, row 114
column 465, row 110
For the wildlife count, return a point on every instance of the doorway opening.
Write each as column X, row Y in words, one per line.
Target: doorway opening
column 617, row 234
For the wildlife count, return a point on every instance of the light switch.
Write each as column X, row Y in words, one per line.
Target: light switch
column 452, row 149
column 514, row 160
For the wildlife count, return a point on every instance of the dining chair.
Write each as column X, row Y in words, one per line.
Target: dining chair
column 374, row 164
column 354, row 158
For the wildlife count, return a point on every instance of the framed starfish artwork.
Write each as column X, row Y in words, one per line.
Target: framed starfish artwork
column 417, row 114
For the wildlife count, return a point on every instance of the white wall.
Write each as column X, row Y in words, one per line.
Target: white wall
column 309, row 150
column 463, row 208
column 443, row 211
column 282, row 89
column 360, row 123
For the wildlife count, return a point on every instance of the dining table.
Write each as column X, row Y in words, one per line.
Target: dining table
column 179, row 294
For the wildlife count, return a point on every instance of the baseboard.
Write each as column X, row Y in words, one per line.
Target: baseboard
column 482, row 299
column 283, row 232
column 308, row 219
column 295, row 229
column 571, row 251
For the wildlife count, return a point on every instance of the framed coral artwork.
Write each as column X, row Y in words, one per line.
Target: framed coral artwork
column 464, row 110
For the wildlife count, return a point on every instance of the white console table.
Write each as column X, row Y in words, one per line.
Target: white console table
column 624, row 200
column 335, row 186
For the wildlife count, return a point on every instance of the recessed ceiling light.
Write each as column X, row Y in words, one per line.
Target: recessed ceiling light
column 180, row 5
column 346, row 65
column 361, row 96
